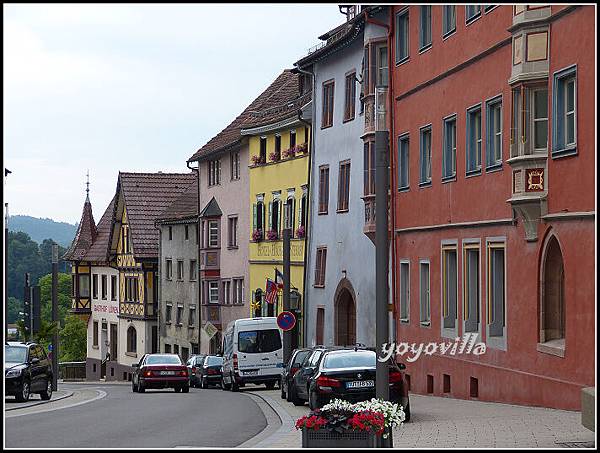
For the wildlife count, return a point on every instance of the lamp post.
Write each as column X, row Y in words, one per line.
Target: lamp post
column 55, row 316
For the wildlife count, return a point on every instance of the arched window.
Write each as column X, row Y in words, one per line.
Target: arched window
column 260, row 216
column 552, row 325
column 131, row 339
column 290, row 215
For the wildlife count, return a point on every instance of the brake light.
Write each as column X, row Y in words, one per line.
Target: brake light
column 148, row 373
column 325, row 381
column 235, row 362
column 193, row 369
column 211, row 371
column 395, row 377
column 293, row 371
column 183, row 373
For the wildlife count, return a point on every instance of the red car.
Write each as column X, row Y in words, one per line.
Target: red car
column 159, row 371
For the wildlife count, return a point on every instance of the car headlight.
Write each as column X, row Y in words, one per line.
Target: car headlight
column 14, row 373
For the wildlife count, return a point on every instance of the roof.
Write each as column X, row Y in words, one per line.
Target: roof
column 85, row 236
column 184, row 207
column 146, row 196
column 99, row 248
column 230, row 136
column 212, row 209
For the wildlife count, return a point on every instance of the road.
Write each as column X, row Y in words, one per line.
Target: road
column 121, row 419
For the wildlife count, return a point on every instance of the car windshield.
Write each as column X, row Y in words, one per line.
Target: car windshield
column 163, row 360
column 15, row 354
column 214, row 361
column 259, row 341
column 350, row 359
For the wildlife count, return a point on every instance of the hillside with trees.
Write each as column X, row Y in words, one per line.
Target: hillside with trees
column 40, row 229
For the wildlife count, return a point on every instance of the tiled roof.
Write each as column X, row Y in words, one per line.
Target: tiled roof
column 99, row 249
column 146, row 196
column 86, row 233
column 184, row 207
column 231, row 134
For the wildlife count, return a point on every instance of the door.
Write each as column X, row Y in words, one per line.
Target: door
column 345, row 319
column 113, row 342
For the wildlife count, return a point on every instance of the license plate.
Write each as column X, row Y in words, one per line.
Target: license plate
column 167, row 373
column 360, row 384
column 251, row 373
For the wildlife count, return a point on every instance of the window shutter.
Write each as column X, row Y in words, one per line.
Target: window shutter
column 270, row 215
column 254, row 217
column 497, row 292
column 472, row 321
column 280, row 215
column 300, row 218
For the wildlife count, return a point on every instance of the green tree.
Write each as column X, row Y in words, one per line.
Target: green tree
column 15, row 306
column 43, row 336
column 23, row 256
column 73, row 340
column 64, row 296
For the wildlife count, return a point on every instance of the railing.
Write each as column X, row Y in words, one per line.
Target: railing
column 369, row 211
column 71, row 371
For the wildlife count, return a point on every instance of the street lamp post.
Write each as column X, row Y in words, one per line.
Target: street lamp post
column 55, row 316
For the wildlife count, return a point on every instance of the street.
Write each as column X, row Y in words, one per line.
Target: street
column 121, row 419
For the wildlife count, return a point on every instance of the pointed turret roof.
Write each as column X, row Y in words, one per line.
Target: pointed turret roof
column 86, row 234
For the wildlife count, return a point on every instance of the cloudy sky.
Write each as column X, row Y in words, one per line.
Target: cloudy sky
column 131, row 88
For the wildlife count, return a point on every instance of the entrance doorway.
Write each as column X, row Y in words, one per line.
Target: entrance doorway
column 553, row 303
column 345, row 315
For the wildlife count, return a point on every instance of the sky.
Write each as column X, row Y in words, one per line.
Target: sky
column 131, row 87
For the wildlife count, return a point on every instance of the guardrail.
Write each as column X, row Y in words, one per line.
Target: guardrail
column 68, row 371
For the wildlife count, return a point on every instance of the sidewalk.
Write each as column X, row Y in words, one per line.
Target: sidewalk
column 35, row 400
column 438, row 422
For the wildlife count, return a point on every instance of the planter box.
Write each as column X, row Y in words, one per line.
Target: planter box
column 348, row 439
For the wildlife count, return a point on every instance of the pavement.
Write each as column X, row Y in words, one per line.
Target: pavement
column 11, row 404
column 438, row 422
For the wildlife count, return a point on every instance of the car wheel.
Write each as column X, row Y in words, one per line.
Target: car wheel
column 24, row 395
column 177, row 389
column 294, row 397
column 186, row 389
column 203, row 383
column 283, row 393
column 47, row 394
column 270, row 385
column 407, row 412
column 134, row 388
column 312, row 403
column 141, row 388
column 223, row 385
column 235, row 387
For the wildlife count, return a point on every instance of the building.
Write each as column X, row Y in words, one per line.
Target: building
column 493, row 122
column 340, row 294
column 278, row 133
column 179, row 330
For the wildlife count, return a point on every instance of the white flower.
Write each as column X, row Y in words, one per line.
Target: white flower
column 393, row 413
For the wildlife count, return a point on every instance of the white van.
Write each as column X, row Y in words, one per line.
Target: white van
column 252, row 353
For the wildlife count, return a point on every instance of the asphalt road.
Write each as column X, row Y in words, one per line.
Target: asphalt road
column 157, row 418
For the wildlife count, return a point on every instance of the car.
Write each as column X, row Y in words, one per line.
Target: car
column 210, row 371
column 193, row 364
column 159, row 371
column 27, row 370
column 293, row 365
column 298, row 386
column 349, row 374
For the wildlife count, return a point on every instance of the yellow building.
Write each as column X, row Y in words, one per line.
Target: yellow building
column 279, row 167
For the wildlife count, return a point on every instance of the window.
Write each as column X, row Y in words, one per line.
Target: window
column 193, row 270
column 131, row 339
column 185, row 353
column 424, row 293
column 176, row 349
column 493, row 142
column 382, row 65
column 448, row 20
column 289, row 214
column 214, row 172
column 449, row 287
column 226, row 284
column 402, row 36
column 369, row 168
column 104, row 287
column 213, row 292
column 278, row 145
column 95, row 286
column 259, row 341
column 292, row 139
column 238, row 291
column 449, row 151
column 540, row 119
column 275, row 215
column 263, row 149
column 167, row 348
column 564, row 122
column 170, row 233
column 425, row 156
column 131, row 289
column 472, row 12
column 95, row 343
column 113, row 287
column 350, row 99
column 169, row 270
column 235, row 165
column 303, row 212
column 180, row 270
column 404, row 291
column 186, row 232
column 84, row 285
column 320, row 326
column 403, row 163
column 344, row 186
column 529, row 120
column 320, row 267
column 327, row 108
column 232, row 232
column 213, row 233
column 179, row 314
column 425, row 32
column 258, row 218
column 474, row 140
column 168, row 312
column 323, row 189
column 496, row 289
column 471, row 288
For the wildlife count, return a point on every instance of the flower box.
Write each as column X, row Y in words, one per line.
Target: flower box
column 272, row 235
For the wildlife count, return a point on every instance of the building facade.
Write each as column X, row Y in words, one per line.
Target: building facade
column 493, row 114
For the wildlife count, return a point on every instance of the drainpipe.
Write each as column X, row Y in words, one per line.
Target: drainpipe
column 197, row 171
column 307, row 236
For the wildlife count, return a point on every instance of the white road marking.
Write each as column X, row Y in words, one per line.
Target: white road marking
column 101, row 394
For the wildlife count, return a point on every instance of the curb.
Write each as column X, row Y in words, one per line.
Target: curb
column 265, row 438
column 68, row 394
column 95, row 383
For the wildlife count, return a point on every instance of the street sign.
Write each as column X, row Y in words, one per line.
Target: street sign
column 286, row 321
column 50, row 348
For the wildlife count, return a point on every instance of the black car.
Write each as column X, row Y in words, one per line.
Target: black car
column 27, row 370
column 193, row 365
column 293, row 365
column 210, row 371
column 349, row 374
column 300, row 382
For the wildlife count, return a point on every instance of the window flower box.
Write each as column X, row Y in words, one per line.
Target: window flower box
column 257, row 235
column 302, row 149
column 300, row 232
column 272, row 235
column 257, row 160
column 275, row 156
column 288, row 153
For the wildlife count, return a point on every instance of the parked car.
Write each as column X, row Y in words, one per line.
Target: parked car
column 193, row 364
column 210, row 371
column 349, row 374
column 27, row 370
column 252, row 353
column 298, row 386
column 293, row 365
column 159, row 371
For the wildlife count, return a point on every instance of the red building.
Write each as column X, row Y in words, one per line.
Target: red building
column 493, row 188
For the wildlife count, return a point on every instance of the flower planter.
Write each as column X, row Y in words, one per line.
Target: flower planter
column 323, row 438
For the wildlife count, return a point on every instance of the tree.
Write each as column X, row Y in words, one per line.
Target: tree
column 15, row 306
column 43, row 336
column 64, row 296
column 73, row 340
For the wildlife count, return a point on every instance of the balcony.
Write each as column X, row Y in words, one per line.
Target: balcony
column 369, row 226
